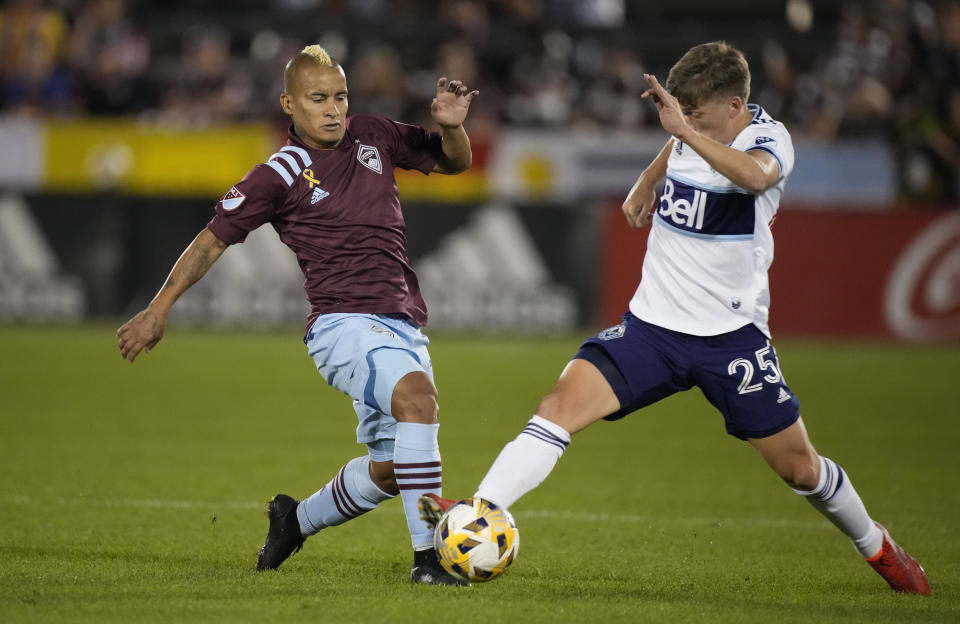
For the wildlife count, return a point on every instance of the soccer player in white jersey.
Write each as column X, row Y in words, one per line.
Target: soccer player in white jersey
column 699, row 315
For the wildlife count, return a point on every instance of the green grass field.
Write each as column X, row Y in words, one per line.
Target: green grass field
column 134, row 493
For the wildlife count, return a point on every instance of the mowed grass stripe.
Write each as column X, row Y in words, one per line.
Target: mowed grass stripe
column 134, row 493
column 539, row 514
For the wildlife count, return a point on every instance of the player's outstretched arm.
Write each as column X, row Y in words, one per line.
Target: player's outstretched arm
column 753, row 171
column 641, row 201
column 145, row 330
column 449, row 109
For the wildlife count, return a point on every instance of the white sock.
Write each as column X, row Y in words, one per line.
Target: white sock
column 349, row 494
column 416, row 464
column 836, row 499
column 524, row 463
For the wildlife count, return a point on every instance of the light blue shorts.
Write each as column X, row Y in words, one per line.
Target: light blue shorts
column 364, row 356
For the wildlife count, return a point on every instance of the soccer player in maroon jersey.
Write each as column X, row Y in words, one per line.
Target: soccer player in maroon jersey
column 331, row 196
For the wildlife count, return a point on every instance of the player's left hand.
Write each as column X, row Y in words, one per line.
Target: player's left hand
column 449, row 108
column 671, row 114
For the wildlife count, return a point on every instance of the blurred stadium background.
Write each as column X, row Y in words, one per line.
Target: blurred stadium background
column 135, row 493
column 121, row 123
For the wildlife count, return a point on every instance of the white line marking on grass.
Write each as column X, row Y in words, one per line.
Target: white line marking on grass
column 141, row 503
column 650, row 520
column 543, row 514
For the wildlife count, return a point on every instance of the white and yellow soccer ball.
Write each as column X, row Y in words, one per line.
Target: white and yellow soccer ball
column 476, row 540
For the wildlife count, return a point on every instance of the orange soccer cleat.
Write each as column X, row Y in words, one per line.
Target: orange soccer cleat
column 898, row 568
column 432, row 508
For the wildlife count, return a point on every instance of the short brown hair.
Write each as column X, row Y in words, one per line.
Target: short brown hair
column 708, row 71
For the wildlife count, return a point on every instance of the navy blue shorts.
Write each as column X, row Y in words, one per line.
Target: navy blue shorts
column 738, row 372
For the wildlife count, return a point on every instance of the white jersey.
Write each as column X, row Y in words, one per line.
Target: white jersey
column 710, row 245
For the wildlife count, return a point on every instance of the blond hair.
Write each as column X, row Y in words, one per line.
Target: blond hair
column 312, row 55
column 318, row 54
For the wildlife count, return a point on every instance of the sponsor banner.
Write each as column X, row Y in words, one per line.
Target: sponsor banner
column 490, row 267
column 136, row 157
column 124, row 155
column 468, row 186
column 21, row 156
column 541, row 165
column 128, row 156
column 834, row 274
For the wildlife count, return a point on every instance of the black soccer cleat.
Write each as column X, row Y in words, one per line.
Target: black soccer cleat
column 427, row 569
column 283, row 536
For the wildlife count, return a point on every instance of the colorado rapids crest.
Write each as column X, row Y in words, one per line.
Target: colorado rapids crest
column 369, row 157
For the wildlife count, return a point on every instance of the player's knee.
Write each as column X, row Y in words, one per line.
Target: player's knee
column 415, row 400
column 382, row 475
column 800, row 474
column 556, row 408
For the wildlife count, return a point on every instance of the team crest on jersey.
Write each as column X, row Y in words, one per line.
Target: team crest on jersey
column 369, row 157
column 233, row 199
column 612, row 333
column 762, row 139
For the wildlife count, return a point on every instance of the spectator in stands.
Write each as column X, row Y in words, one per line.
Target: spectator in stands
column 469, row 21
column 378, row 84
column 612, row 99
column 205, row 87
column 110, row 58
column 928, row 111
column 33, row 40
column 866, row 68
column 456, row 57
column 778, row 92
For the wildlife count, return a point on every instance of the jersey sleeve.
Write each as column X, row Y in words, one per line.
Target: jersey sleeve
column 413, row 146
column 247, row 205
column 774, row 139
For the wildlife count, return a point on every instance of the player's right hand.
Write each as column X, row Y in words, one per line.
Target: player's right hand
column 639, row 205
column 142, row 332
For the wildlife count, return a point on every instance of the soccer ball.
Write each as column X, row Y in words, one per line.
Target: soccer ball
column 476, row 540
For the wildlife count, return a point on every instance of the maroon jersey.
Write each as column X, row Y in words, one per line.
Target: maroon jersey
column 339, row 211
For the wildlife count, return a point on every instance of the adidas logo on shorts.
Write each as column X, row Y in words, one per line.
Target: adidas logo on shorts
column 784, row 396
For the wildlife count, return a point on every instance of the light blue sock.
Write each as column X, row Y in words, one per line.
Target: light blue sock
column 416, row 463
column 349, row 494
